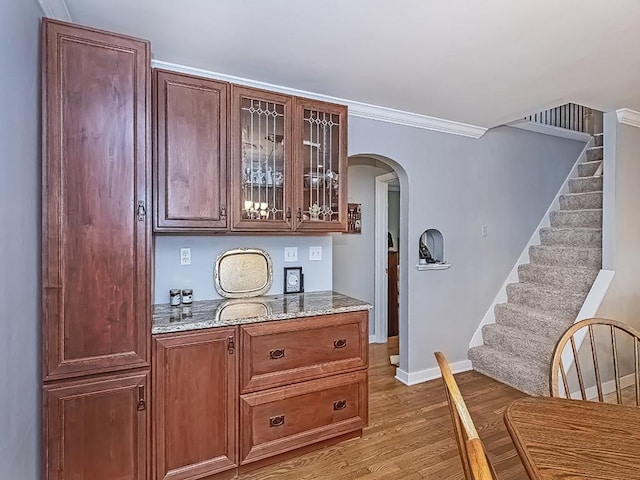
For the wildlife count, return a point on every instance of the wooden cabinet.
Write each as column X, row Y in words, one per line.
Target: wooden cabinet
column 191, row 152
column 196, row 403
column 280, row 353
column 285, row 418
column 95, row 253
column 96, row 185
column 393, row 324
column 97, row 428
column 320, row 166
column 261, row 160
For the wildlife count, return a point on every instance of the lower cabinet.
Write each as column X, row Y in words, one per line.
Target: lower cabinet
column 97, row 428
column 196, row 404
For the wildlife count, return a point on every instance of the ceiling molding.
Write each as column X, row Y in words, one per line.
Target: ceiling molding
column 628, row 117
column 56, row 9
column 356, row 109
column 550, row 130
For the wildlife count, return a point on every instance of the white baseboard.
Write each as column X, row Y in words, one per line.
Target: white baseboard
column 413, row 378
column 374, row 339
column 607, row 388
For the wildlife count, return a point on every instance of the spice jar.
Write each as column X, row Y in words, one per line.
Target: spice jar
column 187, row 296
column 174, row 297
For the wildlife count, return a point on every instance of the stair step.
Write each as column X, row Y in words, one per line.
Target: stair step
column 572, row 237
column 599, row 139
column 587, row 169
column 566, row 256
column 581, row 201
column 577, row 218
column 519, row 343
column 549, row 324
column 545, row 298
column 529, row 377
column 577, row 280
column 585, row 184
column 595, row 153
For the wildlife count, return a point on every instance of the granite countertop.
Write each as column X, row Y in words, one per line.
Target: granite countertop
column 229, row 312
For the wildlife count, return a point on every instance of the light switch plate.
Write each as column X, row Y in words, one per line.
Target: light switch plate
column 315, row 254
column 290, row 254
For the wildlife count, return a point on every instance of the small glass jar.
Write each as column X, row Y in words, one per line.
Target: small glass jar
column 187, row 296
column 174, row 297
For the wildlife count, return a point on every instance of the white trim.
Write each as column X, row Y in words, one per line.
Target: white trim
column 413, row 378
column 356, row 109
column 550, row 130
column 607, row 388
column 501, row 297
column 432, row 266
column 628, row 117
column 56, row 9
column 381, row 224
column 372, row 339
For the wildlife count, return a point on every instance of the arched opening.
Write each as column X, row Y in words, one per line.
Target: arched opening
column 365, row 264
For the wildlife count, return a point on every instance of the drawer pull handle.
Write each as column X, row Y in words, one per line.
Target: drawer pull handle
column 276, row 421
column 340, row 405
column 276, row 354
column 340, row 343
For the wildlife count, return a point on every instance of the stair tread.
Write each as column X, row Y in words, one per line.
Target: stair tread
column 542, row 314
column 565, row 247
column 559, row 267
column 576, row 194
column 521, row 334
column 547, row 289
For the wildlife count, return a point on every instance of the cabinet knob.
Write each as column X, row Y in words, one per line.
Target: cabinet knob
column 142, row 211
column 276, row 354
column 276, row 421
column 223, row 211
column 142, row 404
column 288, row 214
column 341, row 343
column 340, row 405
column 299, row 214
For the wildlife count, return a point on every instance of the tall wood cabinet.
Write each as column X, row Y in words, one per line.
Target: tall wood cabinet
column 96, row 252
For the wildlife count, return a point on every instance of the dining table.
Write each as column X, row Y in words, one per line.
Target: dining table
column 558, row 438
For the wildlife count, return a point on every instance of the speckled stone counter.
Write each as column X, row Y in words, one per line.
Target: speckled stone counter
column 228, row 312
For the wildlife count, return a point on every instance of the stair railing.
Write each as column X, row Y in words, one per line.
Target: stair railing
column 571, row 117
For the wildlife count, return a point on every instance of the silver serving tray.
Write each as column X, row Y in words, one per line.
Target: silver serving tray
column 243, row 273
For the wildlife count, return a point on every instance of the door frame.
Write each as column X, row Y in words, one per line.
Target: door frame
column 381, row 246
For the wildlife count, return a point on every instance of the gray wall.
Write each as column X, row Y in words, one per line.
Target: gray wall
column 506, row 180
column 20, row 240
column 205, row 249
column 621, row 242
column 354, row 254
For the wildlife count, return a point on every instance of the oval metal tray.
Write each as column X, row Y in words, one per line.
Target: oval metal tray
column 243, row 273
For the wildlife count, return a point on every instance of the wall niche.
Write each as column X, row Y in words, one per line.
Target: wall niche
column 431, row 251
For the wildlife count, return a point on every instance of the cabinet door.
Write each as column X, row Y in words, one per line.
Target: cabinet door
column 191, row 145
column 97, row 429
column 96, row 188
column 195, row 414
column 320, row 166
column 261, row 160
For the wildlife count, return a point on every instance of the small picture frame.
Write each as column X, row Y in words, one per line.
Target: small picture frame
column 293, row 280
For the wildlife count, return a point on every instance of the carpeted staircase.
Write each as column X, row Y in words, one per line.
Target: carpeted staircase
column 551, row 289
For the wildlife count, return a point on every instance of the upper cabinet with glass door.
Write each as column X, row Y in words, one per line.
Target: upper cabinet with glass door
column 321, row 166
column 261, row 160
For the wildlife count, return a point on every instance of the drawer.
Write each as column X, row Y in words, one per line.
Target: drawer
column 286, row 418
column 288, row 351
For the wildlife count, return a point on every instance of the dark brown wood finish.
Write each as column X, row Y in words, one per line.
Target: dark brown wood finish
column 282, row 419
column 393, row 323
column 96, row 183
column 97, row 428
column 238, row 93
column 191, row 152
column 302, row 225
column 280, row 353
column 558, row 438
column 195, row 411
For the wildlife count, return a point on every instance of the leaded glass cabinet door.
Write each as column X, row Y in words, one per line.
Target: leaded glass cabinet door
column 261, row 159
column 321, row 166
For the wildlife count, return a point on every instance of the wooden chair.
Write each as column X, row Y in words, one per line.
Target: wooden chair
column 475, row 463
column 566, row 357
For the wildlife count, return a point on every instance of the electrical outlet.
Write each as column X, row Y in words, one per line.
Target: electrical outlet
column 484, row 230
column 290, row 254
column 185, row 256
column 315, row 254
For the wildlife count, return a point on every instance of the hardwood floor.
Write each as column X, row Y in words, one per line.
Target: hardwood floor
column 410, row 436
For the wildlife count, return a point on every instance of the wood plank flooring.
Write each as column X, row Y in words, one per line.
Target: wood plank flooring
column 410, row 436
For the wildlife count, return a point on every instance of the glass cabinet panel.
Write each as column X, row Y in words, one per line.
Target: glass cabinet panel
column 321, row 165
column 261, row 159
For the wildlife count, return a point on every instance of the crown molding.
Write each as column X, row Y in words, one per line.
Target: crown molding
column 56, row 9
column 628, row 117
column 356, row 109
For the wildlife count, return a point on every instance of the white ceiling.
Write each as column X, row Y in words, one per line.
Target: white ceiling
column 479, row 62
